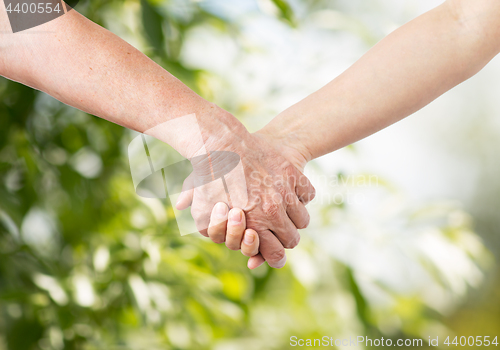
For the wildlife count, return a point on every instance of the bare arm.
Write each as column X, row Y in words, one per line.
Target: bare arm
column 404, row 72
column 88, row 67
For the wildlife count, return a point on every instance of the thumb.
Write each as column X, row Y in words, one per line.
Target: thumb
column 255, row 261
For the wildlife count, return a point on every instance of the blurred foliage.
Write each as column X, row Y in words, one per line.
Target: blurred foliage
column 87, row 264
column 285, row 11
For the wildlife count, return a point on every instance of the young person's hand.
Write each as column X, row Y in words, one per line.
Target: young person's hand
column 276, row 190
column 141, row 95
column 404, row 72
column 229, row 226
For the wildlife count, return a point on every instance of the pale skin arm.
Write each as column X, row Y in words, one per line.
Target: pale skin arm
column 87, row 67
column 404, row 72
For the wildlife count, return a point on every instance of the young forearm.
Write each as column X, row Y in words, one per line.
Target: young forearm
column 403, row 73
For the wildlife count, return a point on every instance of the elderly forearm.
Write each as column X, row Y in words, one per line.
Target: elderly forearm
column 401, row 74
column 90, row 68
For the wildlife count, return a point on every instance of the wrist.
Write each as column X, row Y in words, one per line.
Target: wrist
column 281, row 132
column 220, row 129
column 207, row 128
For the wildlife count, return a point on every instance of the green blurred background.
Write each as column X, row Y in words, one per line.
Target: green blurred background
column 87, row 264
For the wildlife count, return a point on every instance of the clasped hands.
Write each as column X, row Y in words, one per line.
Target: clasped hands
column 392, row 80
column 277, row 192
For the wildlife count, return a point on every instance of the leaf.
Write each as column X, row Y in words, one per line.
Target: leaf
column 286, row 11
column 152, row 22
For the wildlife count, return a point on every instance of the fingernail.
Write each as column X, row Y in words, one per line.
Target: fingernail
column 221, row 210
column 249, row 238
column 235, row 217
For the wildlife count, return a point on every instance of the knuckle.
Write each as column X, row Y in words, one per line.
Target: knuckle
column 289, row 170
column 233, row 239
column 276, row 255
column 292, row 177
column 312, row 193
column 233, row 235
column 303, row 180
column 292, row 243
column 306, row 222
column 271, row 210
column 290, row 199
column 232, row 245
column 309, row 196
column 282, row 190
column 306, row 219
column 215, row 235
column 217, row 239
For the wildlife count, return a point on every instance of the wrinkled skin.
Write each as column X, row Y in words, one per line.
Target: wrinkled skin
column 276, row 190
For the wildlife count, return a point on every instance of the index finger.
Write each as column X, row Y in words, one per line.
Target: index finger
column 271, row 249
column 303, row 187
column 250, row 243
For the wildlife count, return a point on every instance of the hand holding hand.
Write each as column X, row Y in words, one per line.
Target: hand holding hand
column 277, row 193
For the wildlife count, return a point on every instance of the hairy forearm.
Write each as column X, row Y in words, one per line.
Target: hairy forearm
column 401, row 74
column 90, row 68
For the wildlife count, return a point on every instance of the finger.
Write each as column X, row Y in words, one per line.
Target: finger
column 218, row 221
column 201, row 220
column 281, row 225
column 204, row 200
column 186, row 197
column 250, row 244
column 235, row 228
column 255, row 261
column 271, row 249
column 297, row 212
column 303, row 187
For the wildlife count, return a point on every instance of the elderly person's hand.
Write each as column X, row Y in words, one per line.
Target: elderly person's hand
column 141, row 95
column 276, row 190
